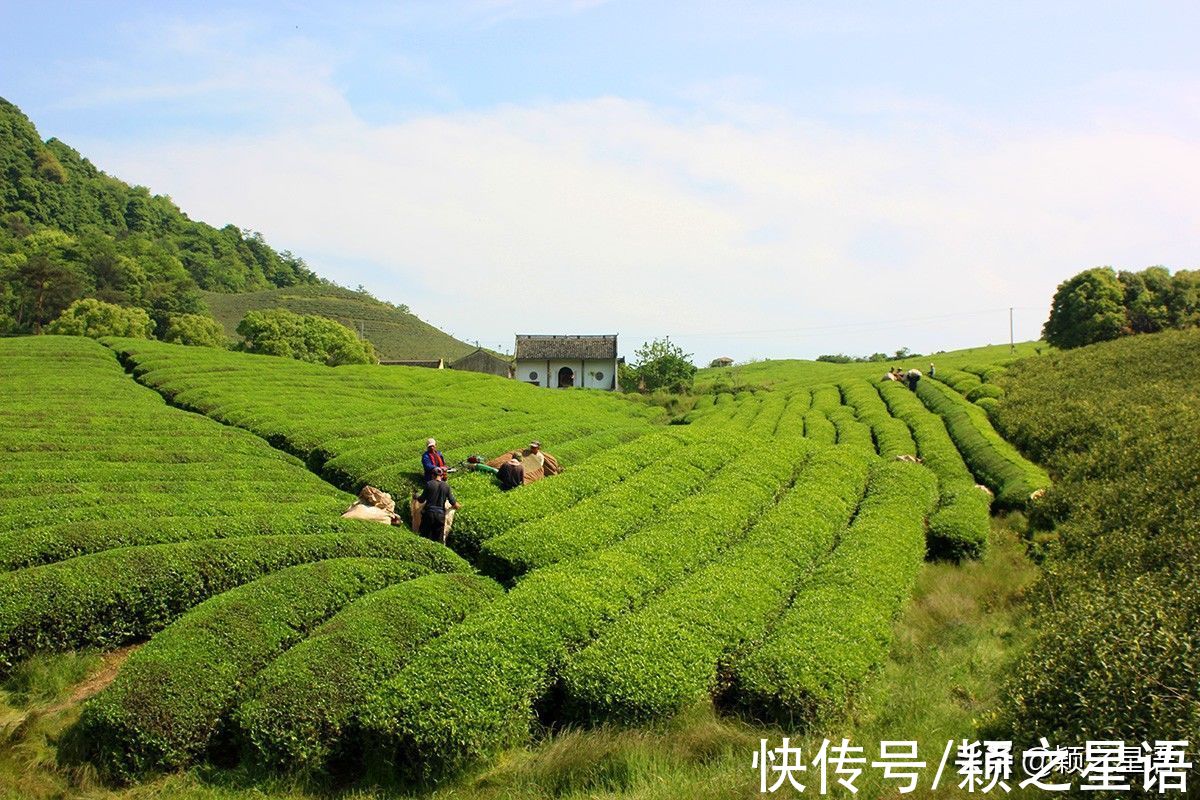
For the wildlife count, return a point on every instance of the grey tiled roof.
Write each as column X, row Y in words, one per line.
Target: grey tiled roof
column 539, row 347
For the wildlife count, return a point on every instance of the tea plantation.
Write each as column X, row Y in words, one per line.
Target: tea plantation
column 189, row 498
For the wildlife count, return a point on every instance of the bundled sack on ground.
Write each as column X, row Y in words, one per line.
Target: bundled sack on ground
column 537, row 465
column 374, row 505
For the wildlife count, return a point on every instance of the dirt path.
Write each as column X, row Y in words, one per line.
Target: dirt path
column 93, row 685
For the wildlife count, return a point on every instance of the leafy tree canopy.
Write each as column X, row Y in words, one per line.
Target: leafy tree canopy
column 663, row 365
column 1099, row 304
column 95, row 318
column 279, row 332
column 195, row 329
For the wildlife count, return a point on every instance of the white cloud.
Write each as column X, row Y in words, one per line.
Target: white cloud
column 220, row 69
column 614, row 215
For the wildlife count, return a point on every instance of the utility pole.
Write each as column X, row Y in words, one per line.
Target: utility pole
column 1012, row 346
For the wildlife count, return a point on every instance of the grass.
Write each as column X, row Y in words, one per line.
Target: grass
column 951, row 645
column 396, row 333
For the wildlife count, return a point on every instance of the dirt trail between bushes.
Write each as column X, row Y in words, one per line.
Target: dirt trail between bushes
column 97, row 682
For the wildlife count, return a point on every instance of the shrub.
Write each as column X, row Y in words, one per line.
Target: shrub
column 959, row 527
column 851, row 432
column 95, row 318
column 892, row 436
column 962, row 382
column 605, row 517
column 994, row 461
column 168, row 702
column 666, row 655
column 474, row 526
column 358, row 424
column 818, row 428
column 661, row 365
column 839, row 626
column 197, row 330
column 320, row 340
column 825, row 397
column 93, row 461
column 1116, row 650
column 300, row 712
column 45, row 544
column 988, row 390
column 112, row 597
column 989, row 405
column 472, row 691
column 993, row 373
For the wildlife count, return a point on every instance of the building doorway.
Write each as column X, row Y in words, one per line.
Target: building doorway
column 566, row 378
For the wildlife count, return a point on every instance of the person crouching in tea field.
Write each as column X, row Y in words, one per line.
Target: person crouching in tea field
column 431, row 459
column 913, row 376
column 512, row 473
column 435, row 496
column 547, row 462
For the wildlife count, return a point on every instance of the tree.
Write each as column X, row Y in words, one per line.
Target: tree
column 278, row 332
column 663, row 365
column 1183, row 299
column 1087, row 308
column 43, row 290
column 1146, row 295
column 195, row 329
column 95, row 318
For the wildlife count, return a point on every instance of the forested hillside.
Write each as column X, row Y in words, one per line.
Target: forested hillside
column 69, row 231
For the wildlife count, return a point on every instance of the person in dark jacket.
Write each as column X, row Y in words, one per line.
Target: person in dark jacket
column 512, row 473
column 432, row 460
column 435, row 496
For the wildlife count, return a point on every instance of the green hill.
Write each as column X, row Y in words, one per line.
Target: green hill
column 68, row 231
column 396, row 333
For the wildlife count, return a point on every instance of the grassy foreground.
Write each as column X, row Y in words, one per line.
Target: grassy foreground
column 951, row 645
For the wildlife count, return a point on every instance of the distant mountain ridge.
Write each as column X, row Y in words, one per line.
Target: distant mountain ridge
column 68, row 230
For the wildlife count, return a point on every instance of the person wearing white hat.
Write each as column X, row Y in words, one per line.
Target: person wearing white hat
column 431, row 459
column 534, row 451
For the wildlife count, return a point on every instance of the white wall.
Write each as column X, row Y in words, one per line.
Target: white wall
column 526, row 367
column 585, row 372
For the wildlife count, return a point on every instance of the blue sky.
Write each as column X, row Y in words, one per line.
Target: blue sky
column 754, row 179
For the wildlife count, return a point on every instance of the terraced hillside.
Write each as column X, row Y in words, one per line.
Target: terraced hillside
column 119, row 513
column 754, row 558
column 785, row 372
column 396, row 333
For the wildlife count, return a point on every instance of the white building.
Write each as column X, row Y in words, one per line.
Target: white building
column 560, row 362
